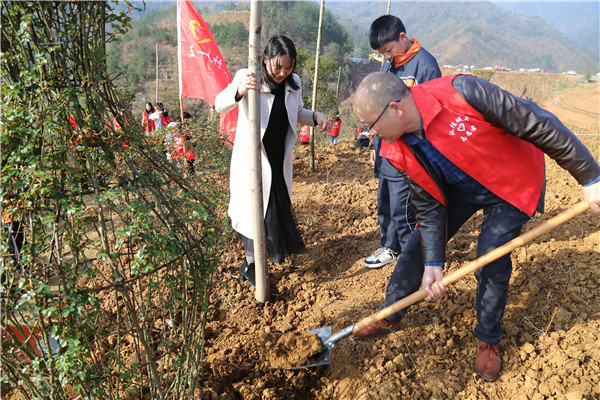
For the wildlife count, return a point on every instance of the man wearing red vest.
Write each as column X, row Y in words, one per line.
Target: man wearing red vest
column 463, row 145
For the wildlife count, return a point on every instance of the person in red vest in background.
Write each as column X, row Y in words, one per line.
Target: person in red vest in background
column 163, row 114
column 77, row 139
column 149, row 124
column 335, row 130
column 305, row 135
column 183, row 150
column 72, row 122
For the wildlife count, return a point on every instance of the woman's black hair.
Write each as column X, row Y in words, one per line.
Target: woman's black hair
column 279, row 46
column 151, row 107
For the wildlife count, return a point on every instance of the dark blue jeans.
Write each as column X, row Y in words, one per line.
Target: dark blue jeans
column 395, row 213
column 502, row 222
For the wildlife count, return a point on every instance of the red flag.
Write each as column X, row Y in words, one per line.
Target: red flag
column 202, row 70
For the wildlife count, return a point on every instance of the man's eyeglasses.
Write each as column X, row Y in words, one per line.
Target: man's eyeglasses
column 369, row 128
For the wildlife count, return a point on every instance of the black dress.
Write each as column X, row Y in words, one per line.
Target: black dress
column 282, row 233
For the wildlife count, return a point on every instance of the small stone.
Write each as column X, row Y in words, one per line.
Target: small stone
column 391, row 367
column 573, row 395
column 528, row 348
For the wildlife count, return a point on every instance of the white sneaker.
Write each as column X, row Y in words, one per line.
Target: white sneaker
column 381, row 257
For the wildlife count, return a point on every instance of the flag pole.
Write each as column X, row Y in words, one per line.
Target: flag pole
column 256, row 193
column 181, row 109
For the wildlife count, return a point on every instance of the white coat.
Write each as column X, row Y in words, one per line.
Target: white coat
column 239, row 179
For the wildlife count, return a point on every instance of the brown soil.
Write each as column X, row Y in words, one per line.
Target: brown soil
column 551, row 326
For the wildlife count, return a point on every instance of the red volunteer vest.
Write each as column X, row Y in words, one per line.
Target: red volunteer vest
column 305, row 134
column 509, row 167
column 335, row 130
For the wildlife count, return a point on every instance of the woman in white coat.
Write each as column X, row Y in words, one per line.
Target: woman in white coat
column 281, row 108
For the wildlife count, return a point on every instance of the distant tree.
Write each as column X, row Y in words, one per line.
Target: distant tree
column 134, row 56
column 326, row 100
column 365, row 50
column 345, row 82
column 125, row 97
column 162, row 35
column 299, row 21
column 229, row 35
column 547, row 62
column 243, row 6
column 139, row 65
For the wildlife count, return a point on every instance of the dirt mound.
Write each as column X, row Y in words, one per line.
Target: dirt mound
column 536, row 86
column 292, row 349
column 577, row 107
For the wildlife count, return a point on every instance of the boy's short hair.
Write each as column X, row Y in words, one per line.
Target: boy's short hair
column 386, row 28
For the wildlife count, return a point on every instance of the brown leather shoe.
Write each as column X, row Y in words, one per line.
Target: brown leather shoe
column 488, row 362
column 382, row 327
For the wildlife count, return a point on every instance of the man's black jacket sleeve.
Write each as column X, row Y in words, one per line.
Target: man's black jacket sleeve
column 526, row 120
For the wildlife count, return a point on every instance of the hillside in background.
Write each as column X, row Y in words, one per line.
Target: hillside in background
column 481, row 34
column 475, row 33
column 149, row 48
column 559, row 36
column 579, row 21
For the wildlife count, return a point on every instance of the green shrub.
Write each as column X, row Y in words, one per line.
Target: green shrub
column 119, row 243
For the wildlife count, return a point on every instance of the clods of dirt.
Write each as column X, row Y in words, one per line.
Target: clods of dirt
column 289, row 350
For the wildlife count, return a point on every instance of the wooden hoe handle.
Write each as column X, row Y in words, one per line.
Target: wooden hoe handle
column 476, row 264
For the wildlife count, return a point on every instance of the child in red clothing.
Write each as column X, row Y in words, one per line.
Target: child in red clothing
column 305, row 135
column 183, row 150
column 335, row 130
